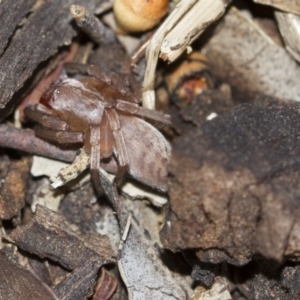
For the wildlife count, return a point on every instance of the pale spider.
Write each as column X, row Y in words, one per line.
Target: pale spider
column 101, row 110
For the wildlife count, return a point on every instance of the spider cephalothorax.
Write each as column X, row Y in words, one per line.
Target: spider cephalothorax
column 101, row 111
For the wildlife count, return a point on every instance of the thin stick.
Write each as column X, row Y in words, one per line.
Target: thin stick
column 125, row 234
column 25, row 140
column 91, row 25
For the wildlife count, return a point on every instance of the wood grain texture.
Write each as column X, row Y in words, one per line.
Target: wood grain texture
column 18, row 283
column 48, row 27
column 12, row 14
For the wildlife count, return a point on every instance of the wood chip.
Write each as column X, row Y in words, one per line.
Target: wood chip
column 18, row 283
column 47, row 235
column 14, row 187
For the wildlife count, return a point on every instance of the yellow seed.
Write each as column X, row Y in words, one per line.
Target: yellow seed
column 139, row 15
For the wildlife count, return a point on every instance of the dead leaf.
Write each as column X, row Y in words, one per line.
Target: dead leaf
column 143, row 273
column 289, row 26
column 245, row 57
column 291, row 6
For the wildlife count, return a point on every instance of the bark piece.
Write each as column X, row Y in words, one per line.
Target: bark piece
column 106, row 286
column 41, row 270
column 47, row 235
column 234, row 191
column 14, row 187
column 91, row 25
column 79, row 285
column 273, row 282
column 77, row 208
column 18, row 283
column 11, row 14
column 46, row 29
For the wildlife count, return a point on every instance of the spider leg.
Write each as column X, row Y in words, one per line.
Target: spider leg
column 127, row 87
column 62, row 137
column 136, row 90
column 109, row 78
column 125, row 84
column 120, row 84
column 42, row 108
column 73, row 68
column 45, row 117
column 120, row 144
column 140, row 111
column 95, row 156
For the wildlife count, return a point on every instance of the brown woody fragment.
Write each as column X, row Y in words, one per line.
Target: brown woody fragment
column 233, row 194
column 11, row 14
column 13, row 187
column 18, row 283
column 25, row 140
column 292, row 6
column 41, row 270
column 91, row 25
column 47, row 235
column 106, row 285
column 47, row 28
column 79, row 285
column 269, row 281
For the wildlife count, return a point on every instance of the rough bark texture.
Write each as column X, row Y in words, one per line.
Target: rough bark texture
column 81, row 282
column 234, row 191
column 31, row 41
column 47, row 235
column 12, row 14
column 18, row 283
column 14, row 187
